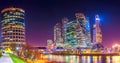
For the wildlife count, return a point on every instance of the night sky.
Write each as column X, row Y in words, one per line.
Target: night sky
column 42, row 15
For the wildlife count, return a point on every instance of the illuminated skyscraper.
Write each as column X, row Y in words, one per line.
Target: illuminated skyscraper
column 71, row 38
column 88, row 33
column 49, row 42
column 97, row 34
column 77, row 32
column 81, row 29
column 13, row 26
column 58, row 34
column 64, row 23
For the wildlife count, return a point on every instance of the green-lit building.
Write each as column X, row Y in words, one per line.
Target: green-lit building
column 71, row 38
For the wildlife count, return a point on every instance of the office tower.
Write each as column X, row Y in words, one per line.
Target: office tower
column 71, row 41
column 58, row 35
column 75, row 33
column 81, row 29
column 97, row 34
column 49, row 42
column 13, row 26
column 88, row 33
column 64, row 23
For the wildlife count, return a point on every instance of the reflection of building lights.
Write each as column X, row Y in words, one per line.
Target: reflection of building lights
column 116, row 59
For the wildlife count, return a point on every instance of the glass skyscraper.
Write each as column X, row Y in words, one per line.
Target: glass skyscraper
column 75, row 33
column 64, row 28
column 13, row 26
column 88, row 33
column 81, row 29
column 71, row 41
column 97, row 33
column 58, row 35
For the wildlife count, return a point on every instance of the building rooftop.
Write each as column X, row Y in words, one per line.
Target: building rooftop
column 12, row 8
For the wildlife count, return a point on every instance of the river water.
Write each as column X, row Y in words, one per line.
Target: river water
column 84, row 59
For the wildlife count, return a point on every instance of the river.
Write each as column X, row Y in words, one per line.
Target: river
column 83, row 59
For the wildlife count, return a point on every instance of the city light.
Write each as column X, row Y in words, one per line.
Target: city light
column 116, row 45
column 59, row 31
column 13, row 23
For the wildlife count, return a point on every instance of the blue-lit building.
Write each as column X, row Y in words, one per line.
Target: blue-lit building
column 13, row 26
column 88, row 33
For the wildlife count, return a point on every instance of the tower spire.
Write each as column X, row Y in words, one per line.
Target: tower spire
column 97, row 34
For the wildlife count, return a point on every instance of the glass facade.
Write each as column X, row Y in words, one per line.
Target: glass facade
column 88, row 33
column 81, row 29
column 71, row 38
column 97, row 33
column 64, row 28
column 75, row 33
column 58, row 35
column 13, row 26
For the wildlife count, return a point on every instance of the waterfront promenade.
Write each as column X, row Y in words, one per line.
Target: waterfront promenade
column 6, row 59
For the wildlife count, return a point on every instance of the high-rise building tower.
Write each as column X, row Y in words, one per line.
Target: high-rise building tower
column 88, row 33
column 97, row 34
column 49, row 42
column 64, row 23
column 71, row 38
column 81, row 29
column 13, row 26
column 77, row 32
column 58, row 35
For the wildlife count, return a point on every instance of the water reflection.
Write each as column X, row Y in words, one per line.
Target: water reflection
column 84, row 59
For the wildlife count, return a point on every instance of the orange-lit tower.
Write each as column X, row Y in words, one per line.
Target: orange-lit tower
column 13, row 26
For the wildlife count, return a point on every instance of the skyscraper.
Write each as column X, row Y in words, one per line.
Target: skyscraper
column 97, row 34
column 71, row 38
column 49, row 42
column 64, row 23
column 58, row 35
column 13, row 26
column 88, row 33
column 81, row 29
column 75, row 33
